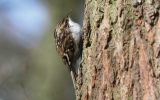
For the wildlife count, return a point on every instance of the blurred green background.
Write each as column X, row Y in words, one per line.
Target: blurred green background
column 30, row 68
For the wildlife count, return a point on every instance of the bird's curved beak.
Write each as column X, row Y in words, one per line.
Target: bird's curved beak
column 68, row 15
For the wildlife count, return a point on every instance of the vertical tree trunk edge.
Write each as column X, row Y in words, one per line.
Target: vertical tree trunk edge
column 121, row 44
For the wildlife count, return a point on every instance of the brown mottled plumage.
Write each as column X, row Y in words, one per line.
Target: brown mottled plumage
column 67, row 38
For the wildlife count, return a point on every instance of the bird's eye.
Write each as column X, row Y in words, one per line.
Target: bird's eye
column 66, row 21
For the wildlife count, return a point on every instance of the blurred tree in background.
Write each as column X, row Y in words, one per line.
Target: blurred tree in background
column 30, row 68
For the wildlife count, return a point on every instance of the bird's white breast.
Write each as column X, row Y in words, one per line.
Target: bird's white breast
column 75, row 30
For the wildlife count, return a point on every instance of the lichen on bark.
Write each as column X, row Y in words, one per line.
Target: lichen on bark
column 120, row 59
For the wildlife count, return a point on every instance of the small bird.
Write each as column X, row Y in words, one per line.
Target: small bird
column 68, row 38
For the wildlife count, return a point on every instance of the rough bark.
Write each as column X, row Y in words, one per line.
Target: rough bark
column 121, row 59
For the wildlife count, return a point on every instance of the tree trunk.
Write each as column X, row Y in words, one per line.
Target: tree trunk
column 121, row 59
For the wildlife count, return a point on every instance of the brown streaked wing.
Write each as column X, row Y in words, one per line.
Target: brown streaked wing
column 68, row 50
